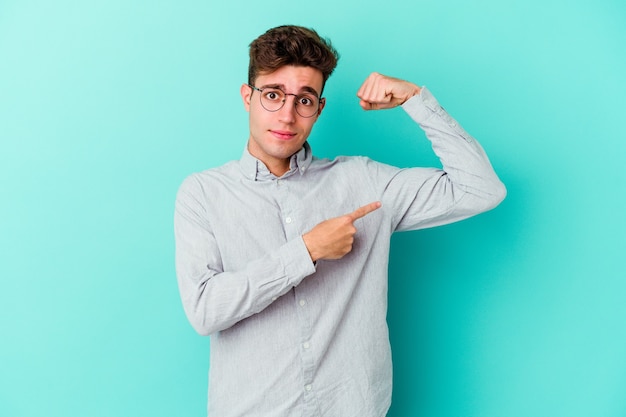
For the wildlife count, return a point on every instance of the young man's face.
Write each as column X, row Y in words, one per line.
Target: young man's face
column 275, row 136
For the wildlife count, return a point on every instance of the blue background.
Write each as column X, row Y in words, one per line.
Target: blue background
column 105, row 106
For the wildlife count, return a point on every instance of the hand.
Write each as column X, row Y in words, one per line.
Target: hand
column 382, row 92
column 333, row 238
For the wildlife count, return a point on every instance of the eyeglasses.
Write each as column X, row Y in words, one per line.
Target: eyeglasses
column 273, row 99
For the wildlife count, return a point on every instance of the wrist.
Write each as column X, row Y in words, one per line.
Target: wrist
column 309, row 247
column 414, row 90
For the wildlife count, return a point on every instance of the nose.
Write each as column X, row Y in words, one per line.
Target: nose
column 287, row 113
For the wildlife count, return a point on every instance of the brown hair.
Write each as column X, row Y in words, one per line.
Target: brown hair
column 291, row 45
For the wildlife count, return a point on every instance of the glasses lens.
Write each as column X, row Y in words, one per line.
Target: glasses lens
column 272, row 99
column 307, row 105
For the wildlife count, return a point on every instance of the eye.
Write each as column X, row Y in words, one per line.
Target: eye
column 274, row 95
column 307, row 101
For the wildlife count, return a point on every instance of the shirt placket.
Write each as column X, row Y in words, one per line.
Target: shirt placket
column 292, row 226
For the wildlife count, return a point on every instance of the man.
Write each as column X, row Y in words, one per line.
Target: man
column 282, row 257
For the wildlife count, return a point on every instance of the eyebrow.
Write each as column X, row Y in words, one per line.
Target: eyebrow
column 305, row 89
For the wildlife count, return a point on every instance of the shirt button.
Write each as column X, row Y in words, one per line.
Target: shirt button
column 302, row 303
column 288, row 220
column 308, row 387
column 306, row 345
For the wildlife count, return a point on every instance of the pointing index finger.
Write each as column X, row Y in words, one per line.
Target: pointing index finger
column 363, row 211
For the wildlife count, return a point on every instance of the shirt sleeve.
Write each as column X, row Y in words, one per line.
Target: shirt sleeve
column 215, row 299
column 466, row 184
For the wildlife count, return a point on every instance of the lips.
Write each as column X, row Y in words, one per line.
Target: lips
column 282, row 134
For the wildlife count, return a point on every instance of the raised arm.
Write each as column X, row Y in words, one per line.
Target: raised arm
column 424, row 197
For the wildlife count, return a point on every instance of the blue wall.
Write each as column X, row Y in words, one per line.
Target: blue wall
column 105, row 106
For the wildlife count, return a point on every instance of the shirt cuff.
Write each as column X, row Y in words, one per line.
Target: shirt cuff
column 297, row 261
column 424, row 106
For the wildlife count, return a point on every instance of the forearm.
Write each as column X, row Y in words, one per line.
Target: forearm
column 217, row 292
column 214, row 300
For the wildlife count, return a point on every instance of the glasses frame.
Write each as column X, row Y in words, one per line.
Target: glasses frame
column 295, row 102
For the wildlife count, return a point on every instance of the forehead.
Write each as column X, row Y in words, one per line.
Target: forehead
column 292, row 79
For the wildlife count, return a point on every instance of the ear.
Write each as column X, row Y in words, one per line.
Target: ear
column 246, row 96
column 322, row 104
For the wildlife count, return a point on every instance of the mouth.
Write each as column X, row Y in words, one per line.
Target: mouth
column 282, row 134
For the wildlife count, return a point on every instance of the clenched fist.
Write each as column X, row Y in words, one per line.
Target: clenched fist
column 382, row 92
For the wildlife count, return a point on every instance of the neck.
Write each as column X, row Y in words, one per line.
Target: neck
column 276, row 166
column 278, row 169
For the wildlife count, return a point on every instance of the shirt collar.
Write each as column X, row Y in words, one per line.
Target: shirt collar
column 256, row 170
